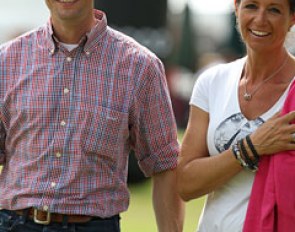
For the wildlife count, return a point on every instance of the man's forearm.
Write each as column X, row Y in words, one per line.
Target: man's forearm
column 169, row 208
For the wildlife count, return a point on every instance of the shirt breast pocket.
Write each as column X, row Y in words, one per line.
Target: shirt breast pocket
column 104, row 130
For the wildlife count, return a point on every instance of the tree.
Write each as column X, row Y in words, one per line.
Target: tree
column 186, row 56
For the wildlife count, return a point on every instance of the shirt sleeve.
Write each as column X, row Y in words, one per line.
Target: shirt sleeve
column 154, row 130
column 2, row 143
column 2, row 92
column 200, row 94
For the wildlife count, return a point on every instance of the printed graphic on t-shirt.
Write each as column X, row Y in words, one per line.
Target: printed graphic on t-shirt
column 233, row 129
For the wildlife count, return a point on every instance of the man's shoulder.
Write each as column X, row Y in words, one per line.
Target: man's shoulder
column 128, row 43
column 22, row 39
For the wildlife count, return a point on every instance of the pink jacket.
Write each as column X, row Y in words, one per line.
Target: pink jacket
column 272, row 203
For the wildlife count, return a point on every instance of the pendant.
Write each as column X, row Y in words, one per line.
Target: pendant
column 247, row 96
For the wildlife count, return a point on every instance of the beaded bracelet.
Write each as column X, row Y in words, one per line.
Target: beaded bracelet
column 237, row 153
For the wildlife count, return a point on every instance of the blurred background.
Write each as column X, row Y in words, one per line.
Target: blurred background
column 187, row 35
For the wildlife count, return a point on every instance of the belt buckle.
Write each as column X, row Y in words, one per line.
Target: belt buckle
column 41, row 222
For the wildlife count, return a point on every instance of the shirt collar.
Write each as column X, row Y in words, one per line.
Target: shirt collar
column 89, row 41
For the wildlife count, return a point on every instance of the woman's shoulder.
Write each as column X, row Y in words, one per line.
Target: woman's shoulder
column 224, row 67
column 221, row 71
column 220, row 76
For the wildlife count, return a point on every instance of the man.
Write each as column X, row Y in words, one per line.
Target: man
column 75, row 97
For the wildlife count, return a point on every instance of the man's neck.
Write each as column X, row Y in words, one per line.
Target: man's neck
column 72, row 32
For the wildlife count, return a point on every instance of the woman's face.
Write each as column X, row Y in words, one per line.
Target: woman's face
column 264, row 24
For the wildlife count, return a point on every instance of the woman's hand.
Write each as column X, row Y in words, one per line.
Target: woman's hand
column 275, row 135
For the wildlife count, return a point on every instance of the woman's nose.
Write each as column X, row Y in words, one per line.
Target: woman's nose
column 261, row 17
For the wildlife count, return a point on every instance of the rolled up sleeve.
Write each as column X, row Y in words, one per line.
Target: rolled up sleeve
column 155, row 131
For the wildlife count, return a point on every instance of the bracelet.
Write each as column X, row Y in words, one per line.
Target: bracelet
column 252, row 148
column 237, row 153
column 249, row 163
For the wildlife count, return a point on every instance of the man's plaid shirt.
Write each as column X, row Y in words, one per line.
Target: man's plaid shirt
column 69, row 119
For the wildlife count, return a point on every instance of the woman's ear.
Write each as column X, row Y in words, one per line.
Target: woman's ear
column 292, row 21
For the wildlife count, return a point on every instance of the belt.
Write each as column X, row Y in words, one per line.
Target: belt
column 45, row 217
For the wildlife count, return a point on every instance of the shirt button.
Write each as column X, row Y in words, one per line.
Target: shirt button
column 66, row 90
column 62, row 123
column 51, row 51
column 69, row 59
column 58, row 154
column 87, row 53
column 45, row 207
column 53, row 184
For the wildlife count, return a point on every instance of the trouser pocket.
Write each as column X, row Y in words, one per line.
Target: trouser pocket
column 9, row 221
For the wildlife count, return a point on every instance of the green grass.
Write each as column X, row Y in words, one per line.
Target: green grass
column 140, row 215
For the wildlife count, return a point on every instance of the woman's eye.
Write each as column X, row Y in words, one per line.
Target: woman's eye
column 275, row 10
column 250, row 6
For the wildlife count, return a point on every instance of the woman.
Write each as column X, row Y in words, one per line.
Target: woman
column 232, row 102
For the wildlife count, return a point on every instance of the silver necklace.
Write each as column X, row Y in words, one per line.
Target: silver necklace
column 248, row 96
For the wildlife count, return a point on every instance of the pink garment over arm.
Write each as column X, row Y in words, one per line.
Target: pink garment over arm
column 272, row 203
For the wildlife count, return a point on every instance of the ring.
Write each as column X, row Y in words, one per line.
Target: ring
column 293, row 137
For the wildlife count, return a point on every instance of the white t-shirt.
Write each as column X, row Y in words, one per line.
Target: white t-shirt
column 70, row 47
column 216, row 92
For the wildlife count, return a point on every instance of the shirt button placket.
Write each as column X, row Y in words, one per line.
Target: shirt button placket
column 66, row 91
column 53, row 184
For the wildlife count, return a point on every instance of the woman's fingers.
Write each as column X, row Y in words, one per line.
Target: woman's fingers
column 276, row 134
column 289, row 117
